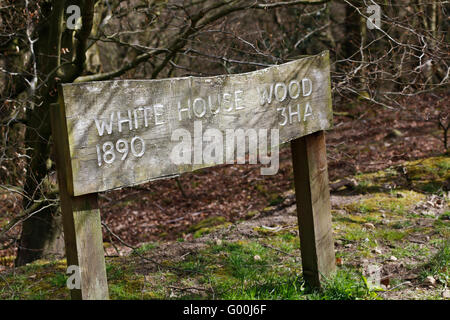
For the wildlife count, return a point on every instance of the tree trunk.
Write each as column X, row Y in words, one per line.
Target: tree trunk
column 352, row 33
column 41, row 235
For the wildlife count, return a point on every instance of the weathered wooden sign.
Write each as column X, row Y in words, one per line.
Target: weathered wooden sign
column 114, row 134
column 123, row 133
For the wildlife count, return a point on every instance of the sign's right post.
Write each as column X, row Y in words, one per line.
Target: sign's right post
column 313, row 207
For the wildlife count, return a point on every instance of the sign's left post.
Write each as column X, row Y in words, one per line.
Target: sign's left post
column 81, row 220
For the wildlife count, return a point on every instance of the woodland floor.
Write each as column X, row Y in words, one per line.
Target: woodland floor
column 231, row 233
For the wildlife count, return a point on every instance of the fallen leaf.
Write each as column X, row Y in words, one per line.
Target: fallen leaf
column 446, row 294
column 430, row 280
column 377, row 251
column 385, row 281
column 393, row 258
column 369, row 225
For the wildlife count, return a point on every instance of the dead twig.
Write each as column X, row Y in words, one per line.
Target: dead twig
column 276, row 249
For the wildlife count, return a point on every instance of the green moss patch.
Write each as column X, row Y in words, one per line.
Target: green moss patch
column 396, row 203
column 208, row 225
column 429, row 175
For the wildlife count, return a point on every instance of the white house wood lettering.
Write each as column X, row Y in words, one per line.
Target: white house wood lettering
column 145, row 116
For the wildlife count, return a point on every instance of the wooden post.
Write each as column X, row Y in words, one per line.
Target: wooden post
column 313, row 207
column 81, row 222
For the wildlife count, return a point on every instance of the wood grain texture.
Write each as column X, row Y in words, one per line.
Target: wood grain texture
column 82, row 226
column 309, row 160
column 153, row 106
